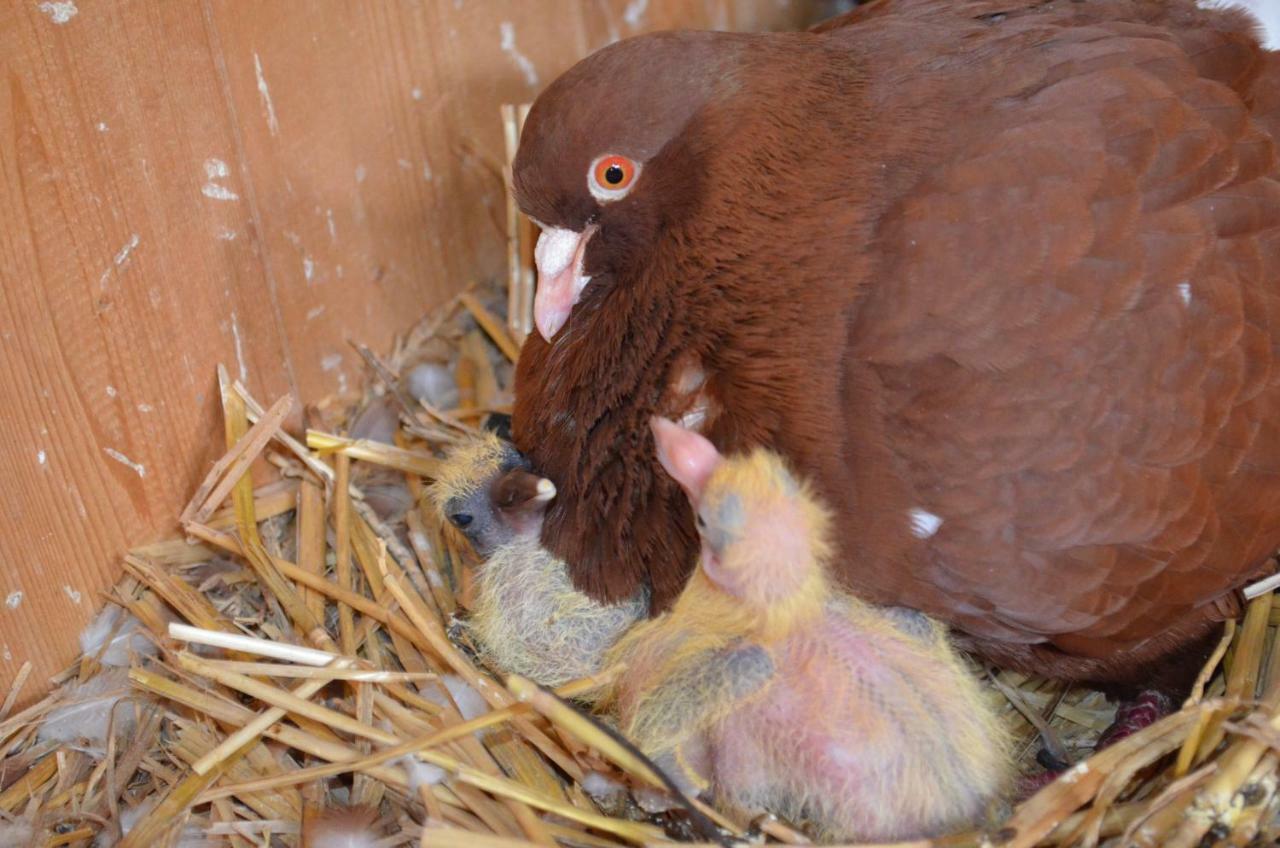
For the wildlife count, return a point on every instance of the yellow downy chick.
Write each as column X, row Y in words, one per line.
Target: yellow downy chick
column 527, row 617
column 777, row 692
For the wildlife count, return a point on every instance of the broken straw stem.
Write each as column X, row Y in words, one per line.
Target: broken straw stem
column 251, row 645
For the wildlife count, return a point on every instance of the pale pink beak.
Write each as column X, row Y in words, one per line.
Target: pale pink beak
column 560, row 279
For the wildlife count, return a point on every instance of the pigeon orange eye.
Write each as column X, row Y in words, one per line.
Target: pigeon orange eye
column 611, row 177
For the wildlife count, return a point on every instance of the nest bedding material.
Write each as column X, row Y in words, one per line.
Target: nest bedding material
column 292, row 660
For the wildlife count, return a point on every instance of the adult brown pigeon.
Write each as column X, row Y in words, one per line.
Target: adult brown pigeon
column 1001, row 278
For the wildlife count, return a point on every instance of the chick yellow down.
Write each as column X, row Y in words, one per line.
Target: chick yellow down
column 777, row 692
column 527, row 618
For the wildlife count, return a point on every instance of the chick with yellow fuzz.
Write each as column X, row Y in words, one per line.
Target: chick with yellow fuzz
column 775, row 691
column 527, row 617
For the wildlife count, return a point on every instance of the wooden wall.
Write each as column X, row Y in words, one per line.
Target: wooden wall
column 189, row 182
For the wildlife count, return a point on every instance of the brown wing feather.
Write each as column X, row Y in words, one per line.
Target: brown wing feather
column 1074, row 324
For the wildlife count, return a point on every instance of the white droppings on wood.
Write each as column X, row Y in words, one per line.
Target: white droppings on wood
column 416, row 94
column 633, row 14
column 59, row 11
column 102, row 126
column 426, row 171
column 508, row 46
column 308, row 268
column 272, row 124
column 330, row 362
column 8, row 655
column 923, row 523
column 42, row 457
column 315, row 312
column 235, row 336
column 216, row 169
column 145, row 408
column 112, row 392
column 404, row 164
column 333, row 229
column 1184, row 292
column 227, row 235
column 122, row 256
column 14, row 599
column 138, row 467
column 361, row 173
column 217, row 192
column 71, row 593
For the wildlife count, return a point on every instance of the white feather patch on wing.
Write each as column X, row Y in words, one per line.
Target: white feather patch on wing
column 923, row 523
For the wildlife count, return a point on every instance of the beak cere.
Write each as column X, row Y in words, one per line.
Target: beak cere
column 560, row 279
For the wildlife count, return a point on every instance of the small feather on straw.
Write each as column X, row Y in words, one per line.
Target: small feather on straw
column 86, row 709
column 112, row 635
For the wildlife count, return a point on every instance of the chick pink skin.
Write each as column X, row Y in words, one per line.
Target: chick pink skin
column 777, row 692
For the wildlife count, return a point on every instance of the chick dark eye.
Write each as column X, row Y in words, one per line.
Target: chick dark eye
column 611, row 177
column 702, row 524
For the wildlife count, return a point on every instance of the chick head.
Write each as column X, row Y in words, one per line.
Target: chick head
column 485, row 489
column 765, row 537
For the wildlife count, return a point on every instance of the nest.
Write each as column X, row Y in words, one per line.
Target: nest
column 291, row 665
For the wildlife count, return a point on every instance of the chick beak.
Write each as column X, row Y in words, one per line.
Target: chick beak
column 560, row 279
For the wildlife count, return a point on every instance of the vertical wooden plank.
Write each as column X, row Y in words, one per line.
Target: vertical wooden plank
column 117, row 295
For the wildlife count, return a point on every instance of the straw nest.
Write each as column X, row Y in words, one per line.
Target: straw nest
column 291, row 664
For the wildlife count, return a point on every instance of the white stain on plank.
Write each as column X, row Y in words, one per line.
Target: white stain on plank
column 216, row 169
column 14, row 600
column 272, row 124
column 138, row 467
column 235, row 335
column 633, row 14
column 71, row 593
column 508, row 45
column 121, row 257
column 60, row 11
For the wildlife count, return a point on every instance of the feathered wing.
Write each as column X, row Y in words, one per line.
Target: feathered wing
column 1073, row 327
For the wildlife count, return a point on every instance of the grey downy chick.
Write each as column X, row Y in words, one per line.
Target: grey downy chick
column 527, row 618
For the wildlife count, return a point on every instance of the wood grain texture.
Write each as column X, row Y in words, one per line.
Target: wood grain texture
column 188, row 183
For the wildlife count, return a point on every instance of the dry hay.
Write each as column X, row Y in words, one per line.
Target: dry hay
column 339, row 681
